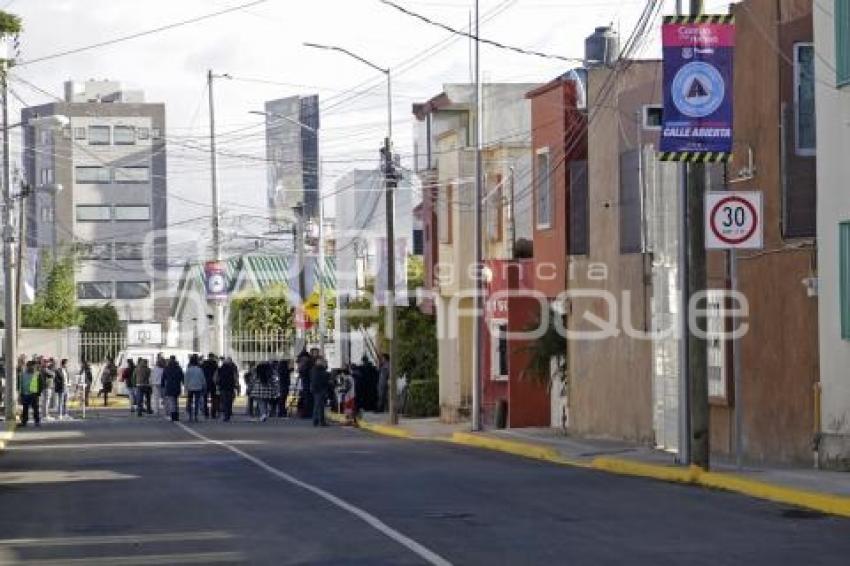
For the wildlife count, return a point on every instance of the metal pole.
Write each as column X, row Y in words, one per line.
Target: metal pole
column 736, row 367
column 216, row 220
column 10, row 324
column 477, row 319
column 684, row 440
column 22, row 243
column 302, row 280
column 322, row 314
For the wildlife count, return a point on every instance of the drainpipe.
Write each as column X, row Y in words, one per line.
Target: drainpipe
column 512, row 212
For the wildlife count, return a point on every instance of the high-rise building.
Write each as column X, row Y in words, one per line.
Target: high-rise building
column 292, row 151
column 110, row 163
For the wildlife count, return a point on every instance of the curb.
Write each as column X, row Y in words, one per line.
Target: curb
column 830, row 504
column 385, row 430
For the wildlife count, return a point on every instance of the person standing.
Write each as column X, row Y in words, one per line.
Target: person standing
column 210, row 366
column 305, row 397
column 61, row 383
column 128, row 377
column 250, row 379
column 30, row 389
column 265, row 390
column 383, row 382
column 143, row 385
column 284, row 378
column 319, row 383
column 47, row 375
column 172, row 384
column 156, row 383
column 87, row 379
column 196, row 385
column 107, row 377
column 226, row 379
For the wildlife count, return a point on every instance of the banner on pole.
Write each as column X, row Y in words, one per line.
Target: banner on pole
column 698, row 64
column 215, row 277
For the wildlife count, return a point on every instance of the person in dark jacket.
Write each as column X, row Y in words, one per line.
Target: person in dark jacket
column 88, row 379
column 319, row 383
column 285, row 381
column 211, row 398
column 172, row 378
column 227, row 379
column 305, row 400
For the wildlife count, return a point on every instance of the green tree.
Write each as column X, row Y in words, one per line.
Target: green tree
column 55, row 305
column 100, row 319
column 10, row 24
column 416, row 332
column 262, row 312
column 552, row 345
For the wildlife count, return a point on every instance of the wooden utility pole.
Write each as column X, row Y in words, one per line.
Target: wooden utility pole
column 697, row 283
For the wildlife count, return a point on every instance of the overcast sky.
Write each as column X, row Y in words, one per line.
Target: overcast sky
column 264, row 43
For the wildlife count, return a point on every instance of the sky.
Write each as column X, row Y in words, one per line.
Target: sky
column 261, row 48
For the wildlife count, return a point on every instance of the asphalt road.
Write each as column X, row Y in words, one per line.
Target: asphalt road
column 116, row 489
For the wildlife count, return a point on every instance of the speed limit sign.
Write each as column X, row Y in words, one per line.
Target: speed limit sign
column 733, row 220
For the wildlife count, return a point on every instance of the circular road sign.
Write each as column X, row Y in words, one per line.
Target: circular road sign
column 734, row 220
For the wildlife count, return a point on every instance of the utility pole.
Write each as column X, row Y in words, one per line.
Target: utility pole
column 216, row 220
column 697, row 358
column 298, row 209
column 10, row 352
column 391, row 179
column 478, row 319
column 26, row 192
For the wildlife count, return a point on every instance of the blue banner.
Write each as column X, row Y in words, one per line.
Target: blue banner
column 698, row 55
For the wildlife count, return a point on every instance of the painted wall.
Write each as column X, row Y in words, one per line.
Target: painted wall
column 833, row 201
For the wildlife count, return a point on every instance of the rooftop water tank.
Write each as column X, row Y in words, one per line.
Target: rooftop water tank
column 602, row 47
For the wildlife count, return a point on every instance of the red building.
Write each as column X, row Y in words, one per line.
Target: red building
column 559, row 143
column 504, row 357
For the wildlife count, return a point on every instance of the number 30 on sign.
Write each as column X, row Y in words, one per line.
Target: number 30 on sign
column 733, row 220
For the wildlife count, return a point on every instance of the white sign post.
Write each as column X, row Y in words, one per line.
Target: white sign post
column 733, row 220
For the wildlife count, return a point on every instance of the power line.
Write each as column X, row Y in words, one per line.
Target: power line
column 469, row 35
column 141, row 33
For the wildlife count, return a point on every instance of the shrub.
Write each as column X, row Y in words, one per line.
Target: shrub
column 423, row 398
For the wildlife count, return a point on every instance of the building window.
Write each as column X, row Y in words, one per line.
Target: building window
column 46, row 213
column 578, row 242
column 444, row 213
column 94, row 290
column 99, row 135
column 544, row 189
column 143, row 133
column 418, row 241
column 132, row 289
column 495, row 198
column 129, row 250
column 804, row 98
column 716, row 332
column 631, row 222
column 156, row 133
column 499, row 350
column 79, row 133
column 842, row 42
column 133, row 213
column 93, row 213
column 124, row 135
column 653, row 115
column 46, row 176
column 135, row 174
column 89, row 250
column 91, row 174
column 844, row 277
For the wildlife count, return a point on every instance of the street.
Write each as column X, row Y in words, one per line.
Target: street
column 116, row 489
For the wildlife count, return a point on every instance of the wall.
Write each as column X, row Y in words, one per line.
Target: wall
column 610, row 387
column 779, row 353
column 833, row 202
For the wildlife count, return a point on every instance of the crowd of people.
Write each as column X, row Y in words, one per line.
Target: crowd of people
column 274, row 388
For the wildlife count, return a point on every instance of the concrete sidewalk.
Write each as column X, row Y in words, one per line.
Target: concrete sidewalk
column 823, row 491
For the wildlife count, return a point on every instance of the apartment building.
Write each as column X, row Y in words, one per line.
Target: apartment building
column 110, row 163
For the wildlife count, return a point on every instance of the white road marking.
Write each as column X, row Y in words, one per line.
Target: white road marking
column 143, row 560
column 60, row 476
column 140, row 538
column 111, row 445
column 418, row 549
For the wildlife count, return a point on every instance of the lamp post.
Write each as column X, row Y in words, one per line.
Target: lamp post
column 390, row 182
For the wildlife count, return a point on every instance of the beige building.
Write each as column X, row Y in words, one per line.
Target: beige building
column 832, row 87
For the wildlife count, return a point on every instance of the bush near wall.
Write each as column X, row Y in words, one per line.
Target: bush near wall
column 423, row 398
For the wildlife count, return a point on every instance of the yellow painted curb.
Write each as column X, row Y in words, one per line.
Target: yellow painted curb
column 386, row 430
column 825, row 503
column 524, row 449
column 631, row 468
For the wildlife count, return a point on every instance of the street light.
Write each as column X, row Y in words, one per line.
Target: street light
column 390, row 180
